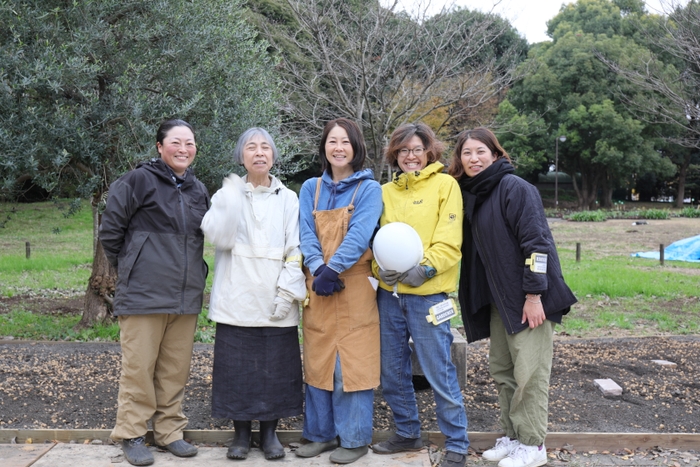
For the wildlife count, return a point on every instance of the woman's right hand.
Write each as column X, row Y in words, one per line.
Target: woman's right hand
column 389, row 277
column 326, row 282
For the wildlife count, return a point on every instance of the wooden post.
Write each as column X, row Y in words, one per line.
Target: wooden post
column 578, row 252
column 661, row 253
column 28, row 249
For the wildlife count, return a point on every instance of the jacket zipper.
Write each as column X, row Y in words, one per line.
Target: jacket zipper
column 184, row 277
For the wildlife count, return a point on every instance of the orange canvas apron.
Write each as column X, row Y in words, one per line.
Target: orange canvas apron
column 347, row 322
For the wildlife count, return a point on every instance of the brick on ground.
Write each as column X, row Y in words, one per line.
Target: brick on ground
column 665, row 363
column 608, row 387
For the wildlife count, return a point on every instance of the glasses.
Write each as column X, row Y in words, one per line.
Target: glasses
column 416, row 151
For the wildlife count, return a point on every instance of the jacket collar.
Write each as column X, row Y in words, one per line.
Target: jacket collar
column 410, row 179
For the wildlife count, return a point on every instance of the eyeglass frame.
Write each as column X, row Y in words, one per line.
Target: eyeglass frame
column 404, row 152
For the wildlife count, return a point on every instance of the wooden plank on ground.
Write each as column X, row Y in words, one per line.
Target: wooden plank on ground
column 479, row 440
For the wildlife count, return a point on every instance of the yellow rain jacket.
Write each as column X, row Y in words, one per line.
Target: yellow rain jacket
column 431, row 202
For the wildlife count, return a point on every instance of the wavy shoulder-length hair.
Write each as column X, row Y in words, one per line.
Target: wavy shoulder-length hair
column 400, row 137
column 357, row 141
column 481, row 134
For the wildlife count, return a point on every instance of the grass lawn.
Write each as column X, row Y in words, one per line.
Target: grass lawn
column 618, row 295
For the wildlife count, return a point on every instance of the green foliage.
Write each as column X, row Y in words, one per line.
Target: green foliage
column 690, row 212
column 587, row 216
column 85, row 84
column 576, row 95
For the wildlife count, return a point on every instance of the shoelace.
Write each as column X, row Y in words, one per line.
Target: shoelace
column 136, row 441
column 521, row 453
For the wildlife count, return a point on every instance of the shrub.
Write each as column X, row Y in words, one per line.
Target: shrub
column 588, row 216
column 690, row 212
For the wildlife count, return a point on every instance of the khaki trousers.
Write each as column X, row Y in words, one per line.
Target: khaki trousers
column 521, row 365
column 156, row 357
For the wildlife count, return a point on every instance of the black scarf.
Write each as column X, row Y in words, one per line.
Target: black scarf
column 474, row 289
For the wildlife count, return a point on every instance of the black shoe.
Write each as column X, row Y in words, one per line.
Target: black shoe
column 397, row 443
column 269, row 441
column 453, row 459
column 240, row 446
column 181, row 448
column 136, row 452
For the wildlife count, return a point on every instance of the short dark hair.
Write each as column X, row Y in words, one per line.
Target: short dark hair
column 357, row 142
column 481, row 134
column 168, row 125
column 399, row 140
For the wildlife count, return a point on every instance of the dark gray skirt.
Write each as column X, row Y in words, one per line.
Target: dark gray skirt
column 257, row 373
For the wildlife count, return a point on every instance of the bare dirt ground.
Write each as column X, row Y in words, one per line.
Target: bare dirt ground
column 74, row 385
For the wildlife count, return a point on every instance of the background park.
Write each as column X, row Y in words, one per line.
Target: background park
column 603, row 118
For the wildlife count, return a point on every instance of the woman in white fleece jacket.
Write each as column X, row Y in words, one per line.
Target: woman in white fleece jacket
column 258, row 281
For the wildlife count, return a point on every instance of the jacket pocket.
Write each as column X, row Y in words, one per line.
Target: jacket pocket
column 126, row 264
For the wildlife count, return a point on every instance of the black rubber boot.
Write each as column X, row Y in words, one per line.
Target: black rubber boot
column 241, row 440
column 269, row 441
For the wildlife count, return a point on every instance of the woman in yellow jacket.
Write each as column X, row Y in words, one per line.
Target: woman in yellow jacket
column 429, row 200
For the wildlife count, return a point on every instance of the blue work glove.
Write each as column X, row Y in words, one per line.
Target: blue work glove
column 414, row 276
column 326, row 282
column 389, row 277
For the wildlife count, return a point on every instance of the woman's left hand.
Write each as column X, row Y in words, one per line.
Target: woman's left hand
column 533, row 313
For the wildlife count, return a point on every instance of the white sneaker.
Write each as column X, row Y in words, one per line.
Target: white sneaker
column 504, row 446
column 525, row 456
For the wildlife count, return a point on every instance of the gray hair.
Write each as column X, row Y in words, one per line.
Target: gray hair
column 247, row 136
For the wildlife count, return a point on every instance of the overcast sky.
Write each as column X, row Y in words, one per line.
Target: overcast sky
column 528, row 16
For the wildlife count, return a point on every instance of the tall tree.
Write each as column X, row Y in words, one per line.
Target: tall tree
column 83, row 84
column 576, row 95
column 384, row 68
column 669, row 84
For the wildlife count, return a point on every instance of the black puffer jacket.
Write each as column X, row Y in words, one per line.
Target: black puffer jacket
column 507, row 226
column 150, row 233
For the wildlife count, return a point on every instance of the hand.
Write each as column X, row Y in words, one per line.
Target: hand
column 326, row 282
column 414, row 276
column 282, row 309
column 533, row 313
column 389, row 277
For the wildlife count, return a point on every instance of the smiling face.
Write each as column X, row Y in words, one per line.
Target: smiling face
column 339, row 152
column 258, row 156
column 178, row 149
column 476, row 157
column 412, row 157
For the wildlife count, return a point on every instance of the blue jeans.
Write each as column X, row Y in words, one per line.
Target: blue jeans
column 338, row 413
column 404, row 317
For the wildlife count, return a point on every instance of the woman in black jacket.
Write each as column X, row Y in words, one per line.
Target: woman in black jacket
column 511, row 289
column 150, row 233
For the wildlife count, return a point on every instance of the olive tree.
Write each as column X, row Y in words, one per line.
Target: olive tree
column 84, row 84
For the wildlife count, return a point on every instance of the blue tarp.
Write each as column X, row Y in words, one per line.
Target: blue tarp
column 687, row 249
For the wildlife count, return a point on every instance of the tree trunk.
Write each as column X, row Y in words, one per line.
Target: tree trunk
column 682, row 174
column 607, row 191
column 100, row 289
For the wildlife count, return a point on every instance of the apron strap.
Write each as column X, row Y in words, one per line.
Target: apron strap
column 351, row 206
column 318, row 190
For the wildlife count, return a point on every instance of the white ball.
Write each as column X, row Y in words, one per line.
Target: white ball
column 397, row 247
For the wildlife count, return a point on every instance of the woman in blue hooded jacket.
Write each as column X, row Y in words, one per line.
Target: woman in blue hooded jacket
column 339, row 212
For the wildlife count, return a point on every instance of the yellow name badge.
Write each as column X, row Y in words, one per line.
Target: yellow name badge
column 442, row 312
column 537, row 263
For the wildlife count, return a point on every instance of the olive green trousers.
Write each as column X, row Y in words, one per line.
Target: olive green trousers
column 521, row 365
